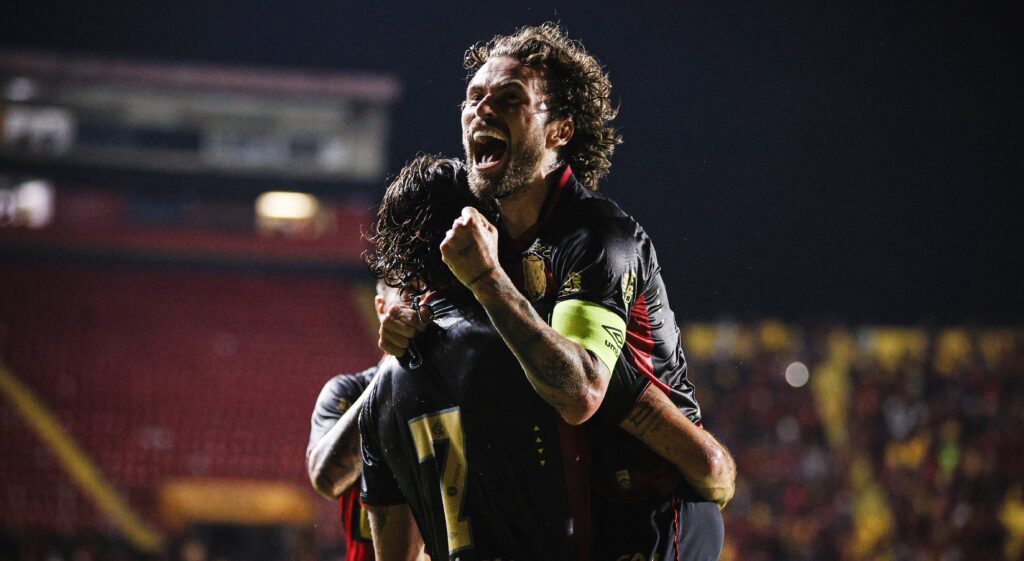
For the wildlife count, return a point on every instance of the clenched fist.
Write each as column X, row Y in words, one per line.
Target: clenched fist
column 400, row 325
column 470, row 248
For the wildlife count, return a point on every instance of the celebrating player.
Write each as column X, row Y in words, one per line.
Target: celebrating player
column 333, row 459
column 574, row 285
column 457, row 439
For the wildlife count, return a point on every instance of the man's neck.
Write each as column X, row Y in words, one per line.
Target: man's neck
column 519, row 212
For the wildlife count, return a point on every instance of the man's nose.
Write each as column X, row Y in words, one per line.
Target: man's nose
column 485, row 107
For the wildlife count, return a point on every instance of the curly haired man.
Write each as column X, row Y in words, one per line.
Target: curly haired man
column 573, row 285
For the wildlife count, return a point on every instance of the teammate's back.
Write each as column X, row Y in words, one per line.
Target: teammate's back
column 470, row 446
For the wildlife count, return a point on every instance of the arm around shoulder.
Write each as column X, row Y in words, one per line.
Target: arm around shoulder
column 703, row 461
column 333, row 462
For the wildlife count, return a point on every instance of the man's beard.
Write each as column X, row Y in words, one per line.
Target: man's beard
column 522, row 165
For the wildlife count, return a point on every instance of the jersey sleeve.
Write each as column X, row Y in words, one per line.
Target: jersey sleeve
column 336, row 397
column 379, row 486
column 596, row 271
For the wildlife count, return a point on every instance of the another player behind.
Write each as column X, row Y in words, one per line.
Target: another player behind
column 461, row 443
column 333, row 459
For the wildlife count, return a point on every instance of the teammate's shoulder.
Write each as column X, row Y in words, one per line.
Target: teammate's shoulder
column 388, row 369
column 351, row 383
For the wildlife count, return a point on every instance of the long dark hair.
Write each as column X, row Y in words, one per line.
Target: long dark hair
column 419, row 207
column 577, row 87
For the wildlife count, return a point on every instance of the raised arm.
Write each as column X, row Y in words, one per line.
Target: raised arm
column 703, row 461
column 566, row 375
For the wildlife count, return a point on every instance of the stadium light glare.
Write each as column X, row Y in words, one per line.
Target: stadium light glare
column 287, row 205
column 797, row 374
column 20, row 88
column 29, row 204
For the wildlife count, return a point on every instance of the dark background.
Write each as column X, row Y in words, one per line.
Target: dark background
column 805, row 160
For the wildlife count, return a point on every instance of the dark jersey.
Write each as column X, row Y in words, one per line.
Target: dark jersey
column 586, row 251
column 465, row 440
column 643, row 510
column 337, row 396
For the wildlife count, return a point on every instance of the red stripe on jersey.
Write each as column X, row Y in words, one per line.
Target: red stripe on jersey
column 675, row 524
column 575, row 450
column 356, row 549
column 640, row 341
column 565, row 177
column 525, row 240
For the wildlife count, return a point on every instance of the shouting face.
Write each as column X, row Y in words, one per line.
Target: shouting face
column 504, row 121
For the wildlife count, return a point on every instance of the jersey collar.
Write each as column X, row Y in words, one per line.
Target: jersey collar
column 524, row 241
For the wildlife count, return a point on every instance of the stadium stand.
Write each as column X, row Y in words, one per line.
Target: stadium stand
column 164, row 373
column 904, row 443
column 890, row 443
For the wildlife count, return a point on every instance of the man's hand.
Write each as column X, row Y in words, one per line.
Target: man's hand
column 401, row 324
column 567, row 376
column 470, row 248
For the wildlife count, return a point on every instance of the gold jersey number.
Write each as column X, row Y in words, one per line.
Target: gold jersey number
column 427, row 431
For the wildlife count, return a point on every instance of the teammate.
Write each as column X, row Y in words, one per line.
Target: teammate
column 333, row 459
column 576, row 290
column 457, row 439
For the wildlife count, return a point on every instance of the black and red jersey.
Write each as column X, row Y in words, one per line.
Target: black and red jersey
column 464, row 440
column 336, row 397
column 587, row 256
column 584, row 247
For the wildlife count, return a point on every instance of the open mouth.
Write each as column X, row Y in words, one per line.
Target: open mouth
column 489, row 147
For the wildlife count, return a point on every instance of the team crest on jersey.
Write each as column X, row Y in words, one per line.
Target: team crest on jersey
column 623, row 479
column 571, row 285
column 535, row 271
column 628, row 287
column 344, row 404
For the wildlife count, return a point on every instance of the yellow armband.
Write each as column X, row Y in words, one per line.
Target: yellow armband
column 591, row 326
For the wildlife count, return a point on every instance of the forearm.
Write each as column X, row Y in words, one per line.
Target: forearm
column 395, row 534
column 703, row 461
column 562, row 372
column 334, row 463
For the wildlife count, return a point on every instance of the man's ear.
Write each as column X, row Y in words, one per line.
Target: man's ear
column 378, row 304
column 559, row 132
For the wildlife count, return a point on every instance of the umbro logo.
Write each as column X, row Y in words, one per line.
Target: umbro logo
column 615, row 333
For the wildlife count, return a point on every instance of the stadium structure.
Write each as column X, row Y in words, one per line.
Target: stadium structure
column 180, row 249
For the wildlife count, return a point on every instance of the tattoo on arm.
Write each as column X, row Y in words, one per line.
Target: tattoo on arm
column 556, row 370
column 553, row 365
column 642, row 415
column 395, row 534
column 345, row 458
column 698, row 456
column 335, row 462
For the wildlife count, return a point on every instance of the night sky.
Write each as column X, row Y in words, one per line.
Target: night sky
column 802, row 160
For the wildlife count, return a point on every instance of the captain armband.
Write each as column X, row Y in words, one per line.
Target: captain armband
column 591, row 326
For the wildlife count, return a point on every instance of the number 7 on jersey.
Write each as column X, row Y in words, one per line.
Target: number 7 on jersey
column 428, row 431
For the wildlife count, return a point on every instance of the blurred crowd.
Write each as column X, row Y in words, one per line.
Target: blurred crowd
column 896, row 445
column 876, row 444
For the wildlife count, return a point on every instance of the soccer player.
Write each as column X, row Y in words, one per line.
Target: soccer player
column 333, row 459
column 456, row 438
column 574, row 285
